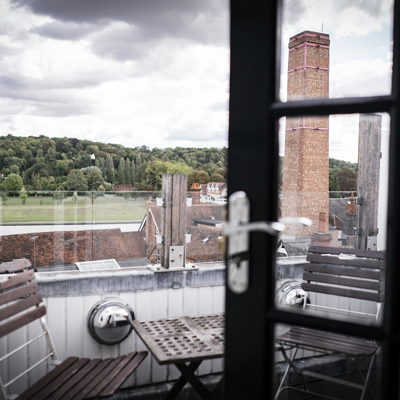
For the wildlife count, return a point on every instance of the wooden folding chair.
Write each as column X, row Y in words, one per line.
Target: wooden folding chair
column 360, row 277
column 75, row 378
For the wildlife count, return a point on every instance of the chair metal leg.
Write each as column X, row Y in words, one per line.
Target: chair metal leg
column 367, row 377
column 290, row 365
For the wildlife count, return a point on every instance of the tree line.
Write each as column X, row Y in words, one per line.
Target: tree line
column 57, row 164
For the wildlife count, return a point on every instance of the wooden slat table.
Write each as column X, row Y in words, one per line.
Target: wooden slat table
column 184, row 340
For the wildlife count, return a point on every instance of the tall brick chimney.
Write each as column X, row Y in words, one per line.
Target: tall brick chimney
column 306, row 164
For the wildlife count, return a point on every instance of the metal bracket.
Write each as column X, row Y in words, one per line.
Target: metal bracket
column 358, row 201
column 159, row 239
column 160, row 202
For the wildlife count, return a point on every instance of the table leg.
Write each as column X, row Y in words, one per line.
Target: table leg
column 193, row 380
column 181, row 382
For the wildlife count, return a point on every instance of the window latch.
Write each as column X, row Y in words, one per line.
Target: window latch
column 238, row 231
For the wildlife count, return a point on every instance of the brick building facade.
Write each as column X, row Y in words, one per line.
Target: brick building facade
column 306, row 164
column 69, row 247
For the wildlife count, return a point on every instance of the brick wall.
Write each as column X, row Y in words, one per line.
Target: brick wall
column 57, row 248
column 306, row 164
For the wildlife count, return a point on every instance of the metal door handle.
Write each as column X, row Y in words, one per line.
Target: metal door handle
column 238, row 230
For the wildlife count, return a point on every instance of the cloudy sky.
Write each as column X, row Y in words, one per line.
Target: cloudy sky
column 156, row 72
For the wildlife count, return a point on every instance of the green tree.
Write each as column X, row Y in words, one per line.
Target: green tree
column 4, row 197
column 133, row 171
column 74, row 197
column 95, row 180
column 13, row 182
column 76, row 180
column 121, row 171
column 126, row 196
column 217, row 178
column 347, row 179
column 127, row 171
column 197, row 176
column 109, row 167
column 23, row 196
column 58, row 196
column 333, row 185
column 156, row 169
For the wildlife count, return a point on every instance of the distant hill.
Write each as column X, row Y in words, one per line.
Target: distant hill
column 44, row 163
column 337, row 165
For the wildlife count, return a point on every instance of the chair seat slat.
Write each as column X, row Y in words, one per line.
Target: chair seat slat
column 84, row 393
column 328, row 344
column 325, row 336
column 344, row 292
column 17, row 280
column 15, row 294
column 122, row 376
column 24, row 319
column 337, row 280
column 71, row 383
column 61, row 379
column 22, row 305
column 355, row 262
column 112, row 371
column 35, row 388
column 78, row 391
column 345, row 271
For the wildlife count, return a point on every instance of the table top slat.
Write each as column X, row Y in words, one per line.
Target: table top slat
column 183, row 339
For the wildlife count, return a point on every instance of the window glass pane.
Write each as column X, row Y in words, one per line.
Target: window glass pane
column 351, row 360
column 334, row 171
column 335, row 49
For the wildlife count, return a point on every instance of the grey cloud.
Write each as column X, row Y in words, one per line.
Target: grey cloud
column 157, row 18
column 64, row 30
column 293, row 9
column 372, row 7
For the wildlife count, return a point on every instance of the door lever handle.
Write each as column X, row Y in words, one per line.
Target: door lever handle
column 238, row 231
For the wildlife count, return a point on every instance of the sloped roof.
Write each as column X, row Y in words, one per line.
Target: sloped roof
column 338, row 207
column 297, row 247
column 210, row 251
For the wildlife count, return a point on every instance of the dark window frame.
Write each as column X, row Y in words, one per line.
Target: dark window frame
column 253, row 136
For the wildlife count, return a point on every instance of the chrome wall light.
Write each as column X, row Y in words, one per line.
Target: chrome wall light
column 109, row 321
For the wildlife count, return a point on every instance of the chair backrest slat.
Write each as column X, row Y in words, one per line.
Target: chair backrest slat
column 19, row 306
column 22, row 320
column 343, row 292
column 337, row 280
column 15, row 294
column 15, row 266
column 356, row 262
column 358, row 277
column 345, row 271
column 17, row 280
column 343, row 250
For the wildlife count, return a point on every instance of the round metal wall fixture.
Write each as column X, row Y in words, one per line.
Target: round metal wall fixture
column 109, row 321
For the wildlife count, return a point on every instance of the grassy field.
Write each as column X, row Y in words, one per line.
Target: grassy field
column 45, row 209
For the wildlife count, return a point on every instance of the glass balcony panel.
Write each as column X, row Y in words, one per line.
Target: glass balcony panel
column 334, row 171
